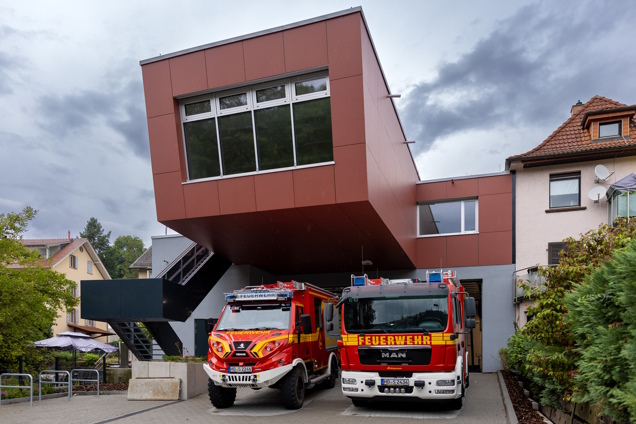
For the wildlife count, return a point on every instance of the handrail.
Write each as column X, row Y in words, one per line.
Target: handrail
column 85, row 379
column 68, row 382
column 17, row 387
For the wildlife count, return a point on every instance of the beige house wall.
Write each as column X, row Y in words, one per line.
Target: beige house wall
column 76, row 275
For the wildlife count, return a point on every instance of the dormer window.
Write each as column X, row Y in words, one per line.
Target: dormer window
column 610, row 129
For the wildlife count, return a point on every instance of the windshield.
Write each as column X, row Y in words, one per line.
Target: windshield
column 396, row 315
column 255, row 317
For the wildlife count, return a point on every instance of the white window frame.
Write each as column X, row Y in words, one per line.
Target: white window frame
column 253, row 105
column 89, row 267
column 462, row 218
column 73, row 261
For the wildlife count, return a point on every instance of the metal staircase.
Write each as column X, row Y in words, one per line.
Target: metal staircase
column 186, row 265
column 135, row 338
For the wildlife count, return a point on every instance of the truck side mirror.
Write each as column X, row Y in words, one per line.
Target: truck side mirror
column 329, row 311
column 329, row 326
column 470, row 309
column 305, row 323
column 470, row 323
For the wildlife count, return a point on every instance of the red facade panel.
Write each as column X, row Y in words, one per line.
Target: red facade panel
column 462, row 250
column 188, row 73
column 157, row 89
column 431, row 252
column 264, row 56
column 314, row 186
column 164, row 145
column 201, row 199
column 495, row 185
column 225, row 65
column 495, row 248
column 456, row 189
column 347, row 111
column 351, row 173
column 344, row 46
column 169, row 196
column 431, row 192
column 305, row 47
column 274, row 191
column 237, row 195
column 495, row 213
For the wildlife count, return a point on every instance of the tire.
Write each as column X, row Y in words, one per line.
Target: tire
column 330, row 382
column 455, row 404
column 221, row 397
column 359, row 403
column 293, row 389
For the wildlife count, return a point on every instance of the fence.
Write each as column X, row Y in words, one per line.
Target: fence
column 17, row 387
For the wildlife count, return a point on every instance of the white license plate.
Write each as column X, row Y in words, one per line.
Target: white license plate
column 240, row 369
column 395, row 381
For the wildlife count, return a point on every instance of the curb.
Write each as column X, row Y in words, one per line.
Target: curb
column 61, row 395
column 510, row 410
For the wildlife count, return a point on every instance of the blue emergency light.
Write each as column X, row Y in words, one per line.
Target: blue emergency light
column 360, row 281
column 435, row 277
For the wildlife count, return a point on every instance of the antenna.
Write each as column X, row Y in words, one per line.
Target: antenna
column 596, row 193
column 602, row 173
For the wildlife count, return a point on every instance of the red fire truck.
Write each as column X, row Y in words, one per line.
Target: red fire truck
column 405, row 339
column 272, row 336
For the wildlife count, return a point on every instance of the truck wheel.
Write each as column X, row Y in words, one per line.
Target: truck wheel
column 456, row 404
column 293, row 389
column 221, row 397
column 330, row 382
column 359, row 403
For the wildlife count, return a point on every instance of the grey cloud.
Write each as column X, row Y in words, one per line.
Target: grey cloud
column 529, row 71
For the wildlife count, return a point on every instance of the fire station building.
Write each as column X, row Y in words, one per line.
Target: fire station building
column 281, row 155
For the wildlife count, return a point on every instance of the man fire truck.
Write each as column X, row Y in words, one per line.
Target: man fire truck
column 272, row 336
column 404, row 339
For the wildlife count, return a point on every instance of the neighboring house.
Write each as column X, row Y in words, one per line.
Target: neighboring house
column 143, row 264
column 77, row 260
column 561, row 183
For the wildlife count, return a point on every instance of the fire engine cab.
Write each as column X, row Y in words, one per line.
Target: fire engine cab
column 405, row 339
column 272, row 336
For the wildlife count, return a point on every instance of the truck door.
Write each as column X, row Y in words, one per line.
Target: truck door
column 318, row 351
column 302, row 341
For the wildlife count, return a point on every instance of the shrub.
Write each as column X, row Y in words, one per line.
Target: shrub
column 90, row 358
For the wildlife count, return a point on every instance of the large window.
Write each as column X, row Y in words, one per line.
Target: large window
column 281, row 124
column 609, row 129
column 458, row 217
column 565, row 190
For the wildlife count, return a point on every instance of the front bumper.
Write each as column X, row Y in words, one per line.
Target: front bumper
column 258, row 379
column 423, row 386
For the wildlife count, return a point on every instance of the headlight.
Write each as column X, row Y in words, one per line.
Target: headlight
column 445, row 383
column 348, row 381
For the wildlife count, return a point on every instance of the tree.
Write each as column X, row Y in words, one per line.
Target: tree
column 121, row 255
column 95, row 235
column 31, row 296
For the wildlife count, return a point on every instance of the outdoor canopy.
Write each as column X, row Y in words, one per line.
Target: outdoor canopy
column 75, row 341
column 624, row 185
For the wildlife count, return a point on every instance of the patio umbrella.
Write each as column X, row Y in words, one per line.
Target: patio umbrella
column 70, row 340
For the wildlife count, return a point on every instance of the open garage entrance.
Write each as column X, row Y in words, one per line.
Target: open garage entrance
column 473, row 287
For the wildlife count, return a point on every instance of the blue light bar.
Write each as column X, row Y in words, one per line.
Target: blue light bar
column 435, row 277
column 359, row 281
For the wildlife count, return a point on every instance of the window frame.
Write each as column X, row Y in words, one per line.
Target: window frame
column 462, row 217
column 618, row 134
column 73, row 262
column 89, row 267
column 252, row 106
column 561, row 177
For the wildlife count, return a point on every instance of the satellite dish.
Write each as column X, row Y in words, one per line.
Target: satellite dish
column 602, row 173
column 596, row 193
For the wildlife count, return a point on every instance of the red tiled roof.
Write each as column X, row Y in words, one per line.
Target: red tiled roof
column 71, row 245
column 44, row 242
column 572, row 139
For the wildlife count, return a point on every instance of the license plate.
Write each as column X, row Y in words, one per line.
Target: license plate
column 241, row 369
column 395, row 381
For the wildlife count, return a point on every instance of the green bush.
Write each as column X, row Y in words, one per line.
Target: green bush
column 90, row 358
column 602, row 315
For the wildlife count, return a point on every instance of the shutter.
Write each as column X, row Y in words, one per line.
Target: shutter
column 553, row 252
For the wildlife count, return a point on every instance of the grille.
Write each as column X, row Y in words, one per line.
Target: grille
column 247, row 378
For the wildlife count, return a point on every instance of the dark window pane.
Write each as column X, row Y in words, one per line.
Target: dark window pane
column 311, row 86
column 312, row 127
column 197, row 108
column 440, row 218
column 202, row 149
column 274, row 137
column 271, row 93
column 237, row 143
column 564, row 192
column 609, row 129
column 236, row 100
column 470, row 207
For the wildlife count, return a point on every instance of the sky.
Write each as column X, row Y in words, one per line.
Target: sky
column 480, row 81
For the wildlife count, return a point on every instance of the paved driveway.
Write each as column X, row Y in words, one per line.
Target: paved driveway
column 483, row 404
